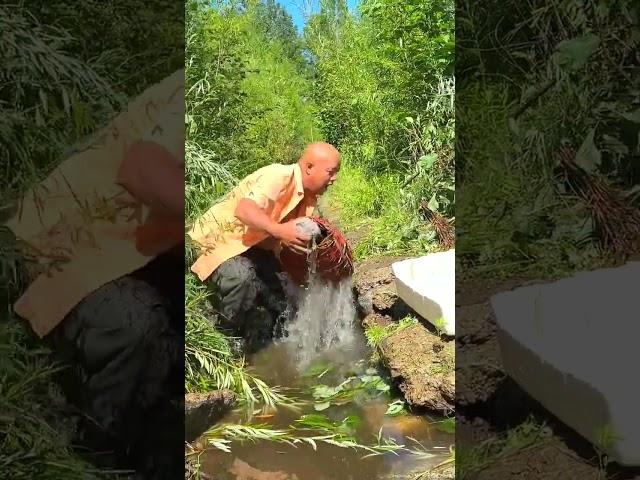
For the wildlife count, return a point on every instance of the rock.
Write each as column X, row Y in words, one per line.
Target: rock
column 376, row 320
column 375, row 291
column 377, row 283
column 202, row 410
column 423, row 367
column 364, row 303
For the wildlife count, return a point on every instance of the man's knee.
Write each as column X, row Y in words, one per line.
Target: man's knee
column 121, row 315
column 235, row 276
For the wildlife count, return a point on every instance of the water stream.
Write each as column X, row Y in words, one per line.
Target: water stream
column 325, row 318
column 324, row 347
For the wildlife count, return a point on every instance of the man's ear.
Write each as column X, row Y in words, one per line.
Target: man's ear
column 308, row 167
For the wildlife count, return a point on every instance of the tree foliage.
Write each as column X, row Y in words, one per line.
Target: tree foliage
column 538, row 77
column 248, row 101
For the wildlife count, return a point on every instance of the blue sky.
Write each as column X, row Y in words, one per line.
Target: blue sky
column 293, row 7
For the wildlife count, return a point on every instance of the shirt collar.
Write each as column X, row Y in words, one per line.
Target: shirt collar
column 297, row 175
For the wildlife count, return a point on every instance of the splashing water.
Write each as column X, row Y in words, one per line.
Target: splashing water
column 324, row 318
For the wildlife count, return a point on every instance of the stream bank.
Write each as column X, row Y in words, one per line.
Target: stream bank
column 420, row 362
column 416, row 362
column 504, row 432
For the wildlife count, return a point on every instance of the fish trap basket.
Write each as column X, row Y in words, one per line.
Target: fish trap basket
column 333, row 255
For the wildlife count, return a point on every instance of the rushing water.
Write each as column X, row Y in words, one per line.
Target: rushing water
column 324, row 319
column 323, row 332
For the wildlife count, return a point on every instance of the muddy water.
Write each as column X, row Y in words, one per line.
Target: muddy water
column 279, row 365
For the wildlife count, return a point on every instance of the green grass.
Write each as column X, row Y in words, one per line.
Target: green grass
column 35, row 434
column 528, row 435
column 376, row 334
column 210, row 363
column 386, row 212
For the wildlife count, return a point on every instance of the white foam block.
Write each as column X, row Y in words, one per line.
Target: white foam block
column 427, row 285
column 573, row 346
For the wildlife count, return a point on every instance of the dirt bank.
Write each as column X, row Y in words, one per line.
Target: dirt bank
column 493, row 412
column 202, row 410
column 421, row 363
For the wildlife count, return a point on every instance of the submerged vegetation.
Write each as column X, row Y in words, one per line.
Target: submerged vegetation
column 339, row 434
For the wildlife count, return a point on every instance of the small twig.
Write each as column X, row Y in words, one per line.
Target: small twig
column 196, row 473
column 533, row 98
column 410, row 179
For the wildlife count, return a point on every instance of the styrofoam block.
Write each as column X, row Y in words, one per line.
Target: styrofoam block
column 572, row 345
column 427, row 285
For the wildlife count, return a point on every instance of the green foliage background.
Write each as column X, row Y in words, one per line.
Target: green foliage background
column 537, row 77
column 376, row 83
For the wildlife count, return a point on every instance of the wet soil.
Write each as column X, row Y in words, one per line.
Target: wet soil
column 489, row 404
column 422, row 365
column 420, row 362
column 204, row 409
column 545, row 461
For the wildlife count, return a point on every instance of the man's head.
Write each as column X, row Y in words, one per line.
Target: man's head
column 320, row 164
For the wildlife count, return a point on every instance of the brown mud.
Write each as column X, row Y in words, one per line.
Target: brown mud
column 204, row 409
column 422, row 365
column 420, row 362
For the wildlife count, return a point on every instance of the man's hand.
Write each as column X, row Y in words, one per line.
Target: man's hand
column 249, row 213
column 291, row 237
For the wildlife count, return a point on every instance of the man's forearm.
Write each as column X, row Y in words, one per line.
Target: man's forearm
column 249, row 213
column 155, row 178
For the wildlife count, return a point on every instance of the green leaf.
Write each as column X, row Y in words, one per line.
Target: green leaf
column 395, row 408
column 314, row 420
column 448, row 425
column 433, row 203
column 612, row 144
column 369, row 378
column 383, row 387
column 575, row 53
column 588, row 156
column 632, row 116
column 426, row 161
column 323, row 391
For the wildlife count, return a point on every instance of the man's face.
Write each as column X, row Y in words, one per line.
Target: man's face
column 321, row 172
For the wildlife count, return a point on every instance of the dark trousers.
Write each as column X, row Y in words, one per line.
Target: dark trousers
column 247, row 292
column 124, row 345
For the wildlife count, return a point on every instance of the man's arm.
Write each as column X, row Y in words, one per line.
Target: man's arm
column 154, row 177
column 249, row 213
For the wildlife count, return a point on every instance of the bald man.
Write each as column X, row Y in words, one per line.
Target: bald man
column 241, row 237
